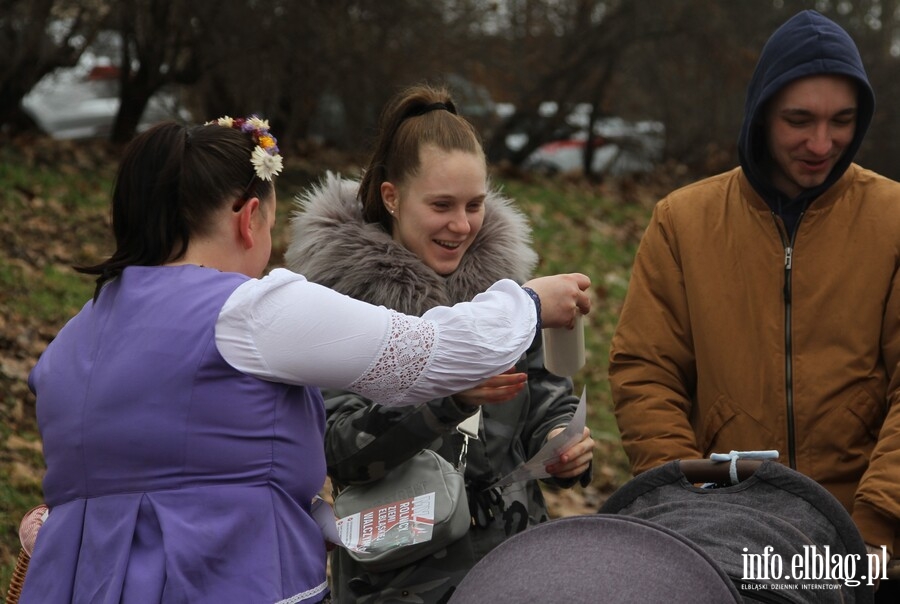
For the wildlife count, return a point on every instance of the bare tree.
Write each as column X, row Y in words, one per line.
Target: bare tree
column 373, row 48
column 38, row 36
column 159, row 47
column 876, row 28
column 691, row 71
column 324, row 68
column 302, row 60
column 566, row 53
column 247, row 60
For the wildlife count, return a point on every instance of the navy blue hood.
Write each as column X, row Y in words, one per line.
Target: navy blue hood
column 807, row 44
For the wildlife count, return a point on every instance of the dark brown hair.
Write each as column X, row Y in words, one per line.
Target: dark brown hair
column 417, row 116
column 172, row 179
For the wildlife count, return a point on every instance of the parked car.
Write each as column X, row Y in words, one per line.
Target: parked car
column 620, row 146
column 617, row 156
column 67, row 106
column 82, row 101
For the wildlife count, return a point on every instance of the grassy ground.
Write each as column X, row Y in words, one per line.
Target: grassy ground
column 54, row 200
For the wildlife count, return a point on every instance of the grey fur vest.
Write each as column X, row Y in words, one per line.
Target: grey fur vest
column 332, row 245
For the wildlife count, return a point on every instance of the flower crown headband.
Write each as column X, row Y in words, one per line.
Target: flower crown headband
column 265, row 157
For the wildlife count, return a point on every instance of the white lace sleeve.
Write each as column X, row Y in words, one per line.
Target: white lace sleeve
column 403, row 359
column 284, row 328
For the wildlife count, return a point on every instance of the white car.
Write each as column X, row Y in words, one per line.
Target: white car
column 620, row 146
column 82, row 101
column 613, row 157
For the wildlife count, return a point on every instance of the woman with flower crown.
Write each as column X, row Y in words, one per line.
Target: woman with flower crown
column 422, row 229
column 181, row 422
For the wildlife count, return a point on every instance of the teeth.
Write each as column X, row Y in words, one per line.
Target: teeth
column 451, row 245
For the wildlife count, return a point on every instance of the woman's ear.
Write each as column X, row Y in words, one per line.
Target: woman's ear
column 389, row 196
column 245, row 218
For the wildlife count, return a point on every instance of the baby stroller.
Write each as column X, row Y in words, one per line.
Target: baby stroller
column 662, row 538
column 778, row 535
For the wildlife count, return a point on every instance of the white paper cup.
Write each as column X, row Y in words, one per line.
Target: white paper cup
column 564, row 348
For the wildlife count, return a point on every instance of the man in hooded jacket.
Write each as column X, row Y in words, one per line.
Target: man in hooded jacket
column 763, row 310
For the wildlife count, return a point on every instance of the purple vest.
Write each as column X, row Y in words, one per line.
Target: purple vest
column 172, row 477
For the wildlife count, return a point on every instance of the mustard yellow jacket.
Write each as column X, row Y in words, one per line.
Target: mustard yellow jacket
column 732, row 337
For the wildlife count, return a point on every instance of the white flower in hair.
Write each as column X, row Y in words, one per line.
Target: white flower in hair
column 265, row 157
column 226, row 121
column 258, row 123
column 266, row 165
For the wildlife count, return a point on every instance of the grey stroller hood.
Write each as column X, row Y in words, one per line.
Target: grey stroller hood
column 778, row 535
column 596, row 558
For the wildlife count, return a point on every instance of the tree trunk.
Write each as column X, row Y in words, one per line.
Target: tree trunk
column 128, row 117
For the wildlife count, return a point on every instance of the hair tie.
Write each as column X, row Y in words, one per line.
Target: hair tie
column 428, row 109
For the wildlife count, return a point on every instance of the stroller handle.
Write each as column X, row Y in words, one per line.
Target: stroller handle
column 707, row 470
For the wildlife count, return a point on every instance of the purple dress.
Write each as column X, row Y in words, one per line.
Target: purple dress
column 172, row 477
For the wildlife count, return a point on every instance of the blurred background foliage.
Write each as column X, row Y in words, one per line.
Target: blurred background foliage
column 320, row 70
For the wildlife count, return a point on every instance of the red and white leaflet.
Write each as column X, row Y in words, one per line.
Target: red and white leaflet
column 395, row 524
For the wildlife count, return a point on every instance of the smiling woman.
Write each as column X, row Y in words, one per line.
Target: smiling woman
column 438, row 214
column 424, row 228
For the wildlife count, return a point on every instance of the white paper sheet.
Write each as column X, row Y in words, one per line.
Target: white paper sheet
column 534, row 468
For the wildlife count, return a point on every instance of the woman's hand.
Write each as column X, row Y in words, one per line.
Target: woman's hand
column 497, row 389
column 562, row 296
column 574, row 460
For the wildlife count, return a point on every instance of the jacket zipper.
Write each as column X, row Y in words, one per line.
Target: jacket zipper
column 788, row 341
